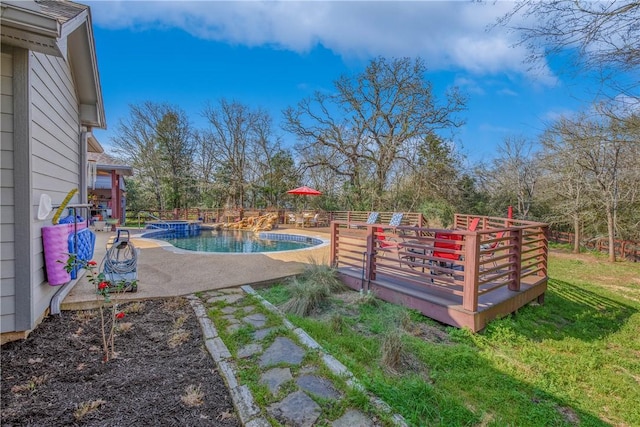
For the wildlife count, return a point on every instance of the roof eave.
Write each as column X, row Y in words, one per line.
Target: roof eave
column 26, row 27
column 85, row 69
column 93, row 146
column 120, row 170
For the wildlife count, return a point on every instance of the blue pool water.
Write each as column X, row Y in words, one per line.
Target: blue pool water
column 233, row 241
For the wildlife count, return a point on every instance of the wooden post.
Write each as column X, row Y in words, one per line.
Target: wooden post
column 544, row 257
column 471, row 272
column 334, row 242
column 115, row 196
column 370, row 270
column 515, row 258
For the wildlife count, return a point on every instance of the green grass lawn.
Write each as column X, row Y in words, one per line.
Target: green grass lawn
column 573, row 361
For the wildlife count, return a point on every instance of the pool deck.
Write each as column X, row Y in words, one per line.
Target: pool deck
column 164, row 271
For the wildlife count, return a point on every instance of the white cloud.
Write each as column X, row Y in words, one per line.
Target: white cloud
column 625, row 105
column 469, row 85
column 446, row 34
column 487, row 127
column 507, row 92
column 556, row 114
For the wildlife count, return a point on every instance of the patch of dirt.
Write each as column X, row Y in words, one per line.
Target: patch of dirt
column 163, row 374
column 569, row 415
column 431, row 333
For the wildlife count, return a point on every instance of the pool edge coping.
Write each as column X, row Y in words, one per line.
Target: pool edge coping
column 171, row 248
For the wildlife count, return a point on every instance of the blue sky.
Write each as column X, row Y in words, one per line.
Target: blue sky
column 273, row 54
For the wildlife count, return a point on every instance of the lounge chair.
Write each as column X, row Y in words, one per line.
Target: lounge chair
column 386, row 244
column 396, row 219
column 444, row 252
column 315, row 220
column 488, row 250
column 373, row 218
column 392, row 244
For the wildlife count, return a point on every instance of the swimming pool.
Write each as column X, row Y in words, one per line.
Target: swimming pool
column 233, row 241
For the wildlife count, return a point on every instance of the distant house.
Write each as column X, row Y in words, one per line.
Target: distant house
column 107, row 192
column 51, row 100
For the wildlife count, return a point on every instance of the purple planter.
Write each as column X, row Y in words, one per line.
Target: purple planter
column 56, row 248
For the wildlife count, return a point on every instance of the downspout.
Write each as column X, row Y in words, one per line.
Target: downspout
column 82, row 186
column 62, row 293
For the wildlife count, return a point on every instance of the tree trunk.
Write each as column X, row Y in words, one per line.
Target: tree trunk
column 610, row 229
column 576, row 234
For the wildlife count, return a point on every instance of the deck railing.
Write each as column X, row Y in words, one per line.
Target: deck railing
column 230, row 215
column 500, row 253
column 408, row 218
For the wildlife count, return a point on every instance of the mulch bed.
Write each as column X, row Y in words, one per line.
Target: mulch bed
column 57, row 377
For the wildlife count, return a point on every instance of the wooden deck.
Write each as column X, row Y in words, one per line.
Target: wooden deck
column 485, row 273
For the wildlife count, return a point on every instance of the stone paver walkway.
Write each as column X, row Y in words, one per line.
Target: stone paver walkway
column 296, row 387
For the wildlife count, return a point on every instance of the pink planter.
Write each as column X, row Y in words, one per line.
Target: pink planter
column 56, row 248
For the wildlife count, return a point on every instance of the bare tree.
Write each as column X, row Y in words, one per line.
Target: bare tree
column 564, row 185
column 604, row 34
column 205, row 161
column 371, row 122
column 244, row 144
column 136, row 141
column 273, row 170
column 231, row 126
column 328, row 142
column 606, row 150
column 514, row 174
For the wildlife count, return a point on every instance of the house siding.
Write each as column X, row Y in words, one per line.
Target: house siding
column 7, row 247
column 55, row 155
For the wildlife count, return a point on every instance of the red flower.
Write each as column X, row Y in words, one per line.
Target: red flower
column 103, row 285
column 92, row 263
column 120, row 315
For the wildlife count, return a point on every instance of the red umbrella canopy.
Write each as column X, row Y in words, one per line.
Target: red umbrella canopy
column 304, row 190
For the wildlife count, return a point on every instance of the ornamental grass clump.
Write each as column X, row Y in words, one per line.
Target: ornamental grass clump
column 306, row 297
column 312, row 289
column 322, row 275
column 393, row 351
column 106, row 292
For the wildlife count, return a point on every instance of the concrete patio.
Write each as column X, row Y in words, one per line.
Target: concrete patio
column 164, row 271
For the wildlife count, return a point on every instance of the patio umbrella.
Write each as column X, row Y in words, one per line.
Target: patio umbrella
column 304, row 191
